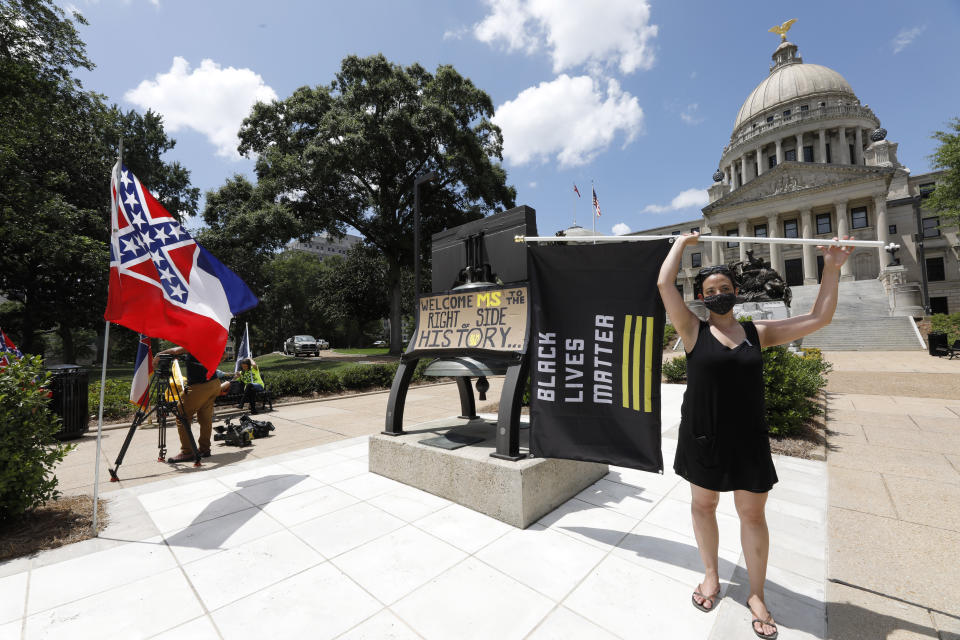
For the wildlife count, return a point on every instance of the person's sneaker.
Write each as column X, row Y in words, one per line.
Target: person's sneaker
column 183, row 456
column 204, row 453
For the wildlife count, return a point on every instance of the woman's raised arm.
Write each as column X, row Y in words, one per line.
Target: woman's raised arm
column 684, row 321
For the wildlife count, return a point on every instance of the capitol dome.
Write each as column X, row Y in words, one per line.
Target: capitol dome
column 791, row 80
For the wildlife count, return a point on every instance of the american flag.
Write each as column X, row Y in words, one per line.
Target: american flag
column 596, row 203
column 577, row 191
column 7, row 349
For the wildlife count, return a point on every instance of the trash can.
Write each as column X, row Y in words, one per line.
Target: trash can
column 937, row 344
column 69, row 385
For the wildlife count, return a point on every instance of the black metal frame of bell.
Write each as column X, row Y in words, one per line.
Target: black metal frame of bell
column 157, row 398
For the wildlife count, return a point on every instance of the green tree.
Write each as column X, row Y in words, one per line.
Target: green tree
column 347, row 154
column 945, row 199
column 57, row 144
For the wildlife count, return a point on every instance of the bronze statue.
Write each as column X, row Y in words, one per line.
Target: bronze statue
column 758, row 282
column 782, row 29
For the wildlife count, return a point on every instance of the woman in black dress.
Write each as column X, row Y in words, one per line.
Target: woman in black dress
column 723, row 443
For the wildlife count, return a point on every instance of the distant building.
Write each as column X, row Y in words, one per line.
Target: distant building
column 807, row 160
column 323, row 245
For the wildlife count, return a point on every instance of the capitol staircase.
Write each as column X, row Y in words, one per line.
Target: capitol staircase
column 861, row 321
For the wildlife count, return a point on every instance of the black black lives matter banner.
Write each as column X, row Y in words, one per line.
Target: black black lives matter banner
column 595, row 342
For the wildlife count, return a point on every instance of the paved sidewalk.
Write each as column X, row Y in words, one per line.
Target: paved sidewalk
column 894, row 516
column 308, row 543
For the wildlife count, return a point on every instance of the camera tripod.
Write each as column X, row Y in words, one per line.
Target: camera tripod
column 166, row 399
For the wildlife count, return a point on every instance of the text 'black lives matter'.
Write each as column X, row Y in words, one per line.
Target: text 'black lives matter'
column 596, row 341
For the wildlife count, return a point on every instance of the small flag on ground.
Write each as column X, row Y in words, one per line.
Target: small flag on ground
column 142, row 371
column 596, row 203
column 577, row 191
column 244, row 350
column 8, row 350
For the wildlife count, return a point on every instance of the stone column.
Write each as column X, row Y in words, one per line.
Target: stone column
column 823, row 146
column 883, row 235
column 779, row 151
column 843, row 229
column 743, row 169
column 733, row 175
column 809, row 255
column 844, row 151
column 799, row 147
column 776, row 257
column 717, row 247
column 742, row 231
column 759, row 161
column 858, row 146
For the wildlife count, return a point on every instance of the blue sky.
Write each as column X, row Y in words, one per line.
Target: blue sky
column 639, row 97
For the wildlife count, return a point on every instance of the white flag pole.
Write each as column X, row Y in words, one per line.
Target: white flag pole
column 246, row 334
column 106, row 351
column 748, row 239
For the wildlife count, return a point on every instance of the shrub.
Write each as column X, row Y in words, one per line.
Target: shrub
column 791, row 384
column 669, row 333
column 366, row 376
column 948, row 324
column 116, row 399
column 28, row 449
column 675, row 369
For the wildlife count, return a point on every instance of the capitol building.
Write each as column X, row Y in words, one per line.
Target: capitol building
column 806, row 159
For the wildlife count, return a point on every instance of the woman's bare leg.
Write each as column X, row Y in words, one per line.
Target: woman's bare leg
column 755, row 542
column 703, row 507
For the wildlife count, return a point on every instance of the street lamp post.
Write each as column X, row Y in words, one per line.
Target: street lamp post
column 421, row 179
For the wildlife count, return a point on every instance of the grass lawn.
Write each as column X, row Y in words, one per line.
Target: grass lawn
column 370, row 351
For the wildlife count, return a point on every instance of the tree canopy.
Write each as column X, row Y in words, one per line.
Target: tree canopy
column 57, row 144
column 347, row 154
column 945, row 199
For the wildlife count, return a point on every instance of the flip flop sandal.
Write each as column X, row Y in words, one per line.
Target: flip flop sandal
column 710, row 599
column 769, row 621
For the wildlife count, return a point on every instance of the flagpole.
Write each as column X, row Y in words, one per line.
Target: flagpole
column 103, row 373
column 575, row 204
column 593, row 195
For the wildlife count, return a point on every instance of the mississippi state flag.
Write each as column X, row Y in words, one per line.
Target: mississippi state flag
column 162, row 283
column 244, row 350
column 142, row 371
column 8, row 350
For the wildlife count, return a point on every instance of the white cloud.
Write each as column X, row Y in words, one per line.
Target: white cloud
column 620, row 229
column 456, row 34
column 689, row 115
column 906, row 36
column 209, row 99
column 570, row 118
column 532, row 185
column 684, row 200
column 575, row 32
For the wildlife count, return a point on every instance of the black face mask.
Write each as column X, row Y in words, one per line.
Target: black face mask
column 720, row 303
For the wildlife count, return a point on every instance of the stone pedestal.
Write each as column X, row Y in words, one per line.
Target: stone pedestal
column 518, row 493
column 906, row 298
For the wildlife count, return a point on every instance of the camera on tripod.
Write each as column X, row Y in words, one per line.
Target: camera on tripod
column 243, row 434
column 164, row 364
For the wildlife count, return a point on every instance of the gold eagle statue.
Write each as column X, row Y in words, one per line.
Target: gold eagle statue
column 782, row 29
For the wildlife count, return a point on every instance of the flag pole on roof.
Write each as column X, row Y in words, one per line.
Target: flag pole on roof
column 106, row 349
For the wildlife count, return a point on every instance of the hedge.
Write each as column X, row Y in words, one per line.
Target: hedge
column 28, row 449
column 293, row 382
column 948, row 324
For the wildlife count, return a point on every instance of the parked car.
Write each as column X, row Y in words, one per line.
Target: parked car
column 301, row 344
column 322, row 344
column 380, row 343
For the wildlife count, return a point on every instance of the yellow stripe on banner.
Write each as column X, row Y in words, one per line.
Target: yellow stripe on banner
column 648, row 369
column 626, row 362
column 637, row 334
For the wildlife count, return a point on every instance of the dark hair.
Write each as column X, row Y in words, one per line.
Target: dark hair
column 248, row 362
column 706, row 272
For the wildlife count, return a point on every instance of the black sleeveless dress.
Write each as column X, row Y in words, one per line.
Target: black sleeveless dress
column 723, row 443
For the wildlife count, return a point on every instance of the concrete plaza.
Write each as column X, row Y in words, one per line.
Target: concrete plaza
column 295, row 538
